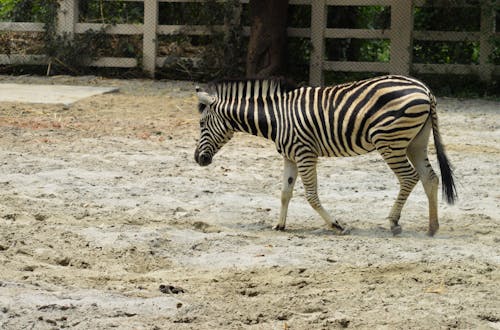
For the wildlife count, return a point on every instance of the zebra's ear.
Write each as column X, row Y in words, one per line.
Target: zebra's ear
column 205, row 98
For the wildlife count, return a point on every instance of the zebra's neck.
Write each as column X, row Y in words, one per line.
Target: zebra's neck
column 252, row 106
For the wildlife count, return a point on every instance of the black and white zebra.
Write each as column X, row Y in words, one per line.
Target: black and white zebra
column 391, row 114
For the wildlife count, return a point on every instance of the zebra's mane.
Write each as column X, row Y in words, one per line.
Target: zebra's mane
column 250, row 88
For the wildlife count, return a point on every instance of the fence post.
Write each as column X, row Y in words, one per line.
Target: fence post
column 149, row 42
column 67, row 17
column 485, row 47
column 401, row 36
column 318, row 25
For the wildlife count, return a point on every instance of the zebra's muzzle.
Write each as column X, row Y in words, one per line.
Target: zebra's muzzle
column 202, row 159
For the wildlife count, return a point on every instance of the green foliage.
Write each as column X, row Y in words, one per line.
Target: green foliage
column 374, row 17
column 446, row 52
column 111, row 12
column 65, row 53
column 220, row 54
column 73, row 54
column 299, row 55
column 463, row 86
column 447, row 18
column 23, row 10
column 465, row 19
column 6, row 9
column 495, row 56
column 364, row 50
column 337, row 77
column 495, row 39
column 358, row 17
column 299, row 16
column 194, row 13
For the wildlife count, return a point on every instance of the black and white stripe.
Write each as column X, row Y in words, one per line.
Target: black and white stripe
column 391, row 114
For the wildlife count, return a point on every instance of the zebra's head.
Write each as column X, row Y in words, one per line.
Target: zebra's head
column 215, row 131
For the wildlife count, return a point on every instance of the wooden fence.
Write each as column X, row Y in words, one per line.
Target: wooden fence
column 400, row 34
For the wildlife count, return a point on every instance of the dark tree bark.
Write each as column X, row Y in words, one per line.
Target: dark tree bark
column 267, row 45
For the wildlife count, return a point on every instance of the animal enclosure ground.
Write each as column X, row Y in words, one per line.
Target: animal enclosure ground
column 107, row 221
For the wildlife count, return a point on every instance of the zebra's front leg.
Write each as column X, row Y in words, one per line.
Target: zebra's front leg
column 289, row 178
column 307, row 170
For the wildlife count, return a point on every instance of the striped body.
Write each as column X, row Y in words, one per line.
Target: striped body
column 384, row 113
column 338, row 121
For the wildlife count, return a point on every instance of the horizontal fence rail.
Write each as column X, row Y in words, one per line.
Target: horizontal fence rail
column 401, row 36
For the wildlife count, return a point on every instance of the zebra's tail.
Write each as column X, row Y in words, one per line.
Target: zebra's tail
column 448, row 182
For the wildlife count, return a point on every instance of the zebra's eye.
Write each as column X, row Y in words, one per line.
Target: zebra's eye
column 201, row 107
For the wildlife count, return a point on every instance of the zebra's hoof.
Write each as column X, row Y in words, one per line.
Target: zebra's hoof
column 279, row 228
column 340, row 230
column 345, row 231
column 396, row 230
column 432, row 231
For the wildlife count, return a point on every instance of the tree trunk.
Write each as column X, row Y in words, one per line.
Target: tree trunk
column 266, row 48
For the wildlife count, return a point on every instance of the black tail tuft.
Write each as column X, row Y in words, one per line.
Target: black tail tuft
column 448, row 182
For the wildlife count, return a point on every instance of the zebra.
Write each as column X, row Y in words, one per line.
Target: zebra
column 391, row 114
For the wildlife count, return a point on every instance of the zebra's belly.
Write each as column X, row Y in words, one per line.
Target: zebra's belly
column 347, row 153
column 344, row 147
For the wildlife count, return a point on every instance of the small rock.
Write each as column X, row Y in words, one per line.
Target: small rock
column 343, row 322
column 170, row 289
column 40, row 217
column 64, row 261
column 28, row 268
column 11, row 216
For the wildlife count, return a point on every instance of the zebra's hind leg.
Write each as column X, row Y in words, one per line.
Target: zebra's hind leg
column 307, row 171
column 417, row 153
column 408, row 178
column 289, row 178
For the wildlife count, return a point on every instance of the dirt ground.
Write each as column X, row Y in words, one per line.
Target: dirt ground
column 107, row 222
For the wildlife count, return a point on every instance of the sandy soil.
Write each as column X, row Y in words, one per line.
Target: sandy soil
column 106, row 222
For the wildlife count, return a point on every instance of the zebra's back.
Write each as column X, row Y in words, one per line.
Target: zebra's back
column 356, row 118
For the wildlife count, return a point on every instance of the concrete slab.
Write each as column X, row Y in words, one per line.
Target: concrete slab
column 52, row 94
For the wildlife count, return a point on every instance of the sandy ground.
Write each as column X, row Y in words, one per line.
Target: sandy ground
column 106, row 222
